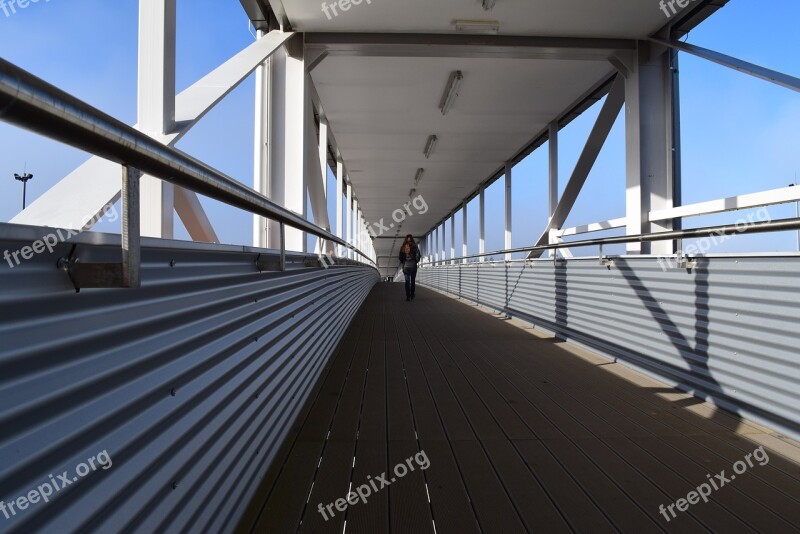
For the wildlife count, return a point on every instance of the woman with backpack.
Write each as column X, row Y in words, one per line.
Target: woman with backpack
column 409, row 258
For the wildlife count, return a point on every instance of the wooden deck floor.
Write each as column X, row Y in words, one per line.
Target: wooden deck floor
column 522, row 434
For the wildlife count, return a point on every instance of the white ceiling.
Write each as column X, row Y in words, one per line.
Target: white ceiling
column 381, row 110
column 566, row 18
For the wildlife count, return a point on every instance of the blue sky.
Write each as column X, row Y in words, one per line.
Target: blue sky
column 740, row 134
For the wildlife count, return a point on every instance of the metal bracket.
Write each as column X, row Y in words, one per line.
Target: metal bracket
column 558, row 262
column 126, row 274
column 268, row 263
column 604, row 260
column 681, row 260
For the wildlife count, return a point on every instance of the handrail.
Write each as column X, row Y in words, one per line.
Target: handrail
column 671, row 235
column 33, row 104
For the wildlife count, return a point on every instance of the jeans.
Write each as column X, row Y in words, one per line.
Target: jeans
column 411, row 277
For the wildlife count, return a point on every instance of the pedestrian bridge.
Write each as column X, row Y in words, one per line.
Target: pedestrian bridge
column 631, row 382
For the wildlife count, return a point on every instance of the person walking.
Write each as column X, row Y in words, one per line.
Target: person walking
column 409, row 258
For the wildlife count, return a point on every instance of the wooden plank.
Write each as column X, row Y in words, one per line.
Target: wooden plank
column 332, row 481
column 451, row 506
column 621, row 412
column 521, row 435
column 410, row 510
column 371, row 448
column 283, row 508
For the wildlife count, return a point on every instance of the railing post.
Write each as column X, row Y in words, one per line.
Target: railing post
column 283, row 247
column 131, row 228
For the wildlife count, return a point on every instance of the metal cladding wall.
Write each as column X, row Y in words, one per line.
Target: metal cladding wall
column 727, row 330
column 190, row 383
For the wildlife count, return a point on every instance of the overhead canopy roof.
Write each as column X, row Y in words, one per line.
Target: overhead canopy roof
column 380, row 69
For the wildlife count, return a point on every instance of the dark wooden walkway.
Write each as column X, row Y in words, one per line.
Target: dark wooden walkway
column 522, row 434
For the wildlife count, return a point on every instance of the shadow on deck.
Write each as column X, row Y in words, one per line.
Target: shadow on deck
column 519, row 433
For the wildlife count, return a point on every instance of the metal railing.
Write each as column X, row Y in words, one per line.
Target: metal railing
column 33, row 104
column 671, row 235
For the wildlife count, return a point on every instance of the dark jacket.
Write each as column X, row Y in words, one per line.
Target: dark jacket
column 411, row 259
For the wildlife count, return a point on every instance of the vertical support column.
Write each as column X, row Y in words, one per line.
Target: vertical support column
column 649, row 144
column 553, row 177
column 444, row 242
column 350, row 240
column 453, row 238
column 508, row 210
column 356, row 229
column 289, row 106
column 361, row 240
column 435, row 244
column 338, row 196
column 677, row 158
column 323, row 152
column 261, row 155
column 323, row 164
column 482, row 223
column 464, row 233
column 156, row 107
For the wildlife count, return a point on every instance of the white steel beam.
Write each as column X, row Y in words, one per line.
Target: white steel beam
column 435, row 244
column 508, row 244
column 193, row 216
column 444, row 241
column 552, row 145
column 323, row 45
column 753, row 200
column 88, row 190
column 593, row 227
column 482, row 222
column 464, row 233
column 453, row 238
column 649, row 144
column 350, row 219
column 597, row 137
column 289, row 109
column 317, row 172
column 356, row 227
column 778, row 78
column 338, row 196
column 156, row 107
column 261, row 142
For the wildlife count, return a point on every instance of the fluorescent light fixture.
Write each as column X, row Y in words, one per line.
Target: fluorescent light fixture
column 451, row 92
column 491, row 27
column 488, row 5
column 430, row 146
column 418, row 178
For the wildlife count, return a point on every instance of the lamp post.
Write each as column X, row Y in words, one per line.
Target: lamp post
column 24, row 179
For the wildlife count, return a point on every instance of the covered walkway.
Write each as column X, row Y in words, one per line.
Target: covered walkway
column 518, row 431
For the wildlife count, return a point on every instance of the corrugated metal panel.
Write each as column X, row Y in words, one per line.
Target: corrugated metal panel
column 189, row 383
column 727, row 329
